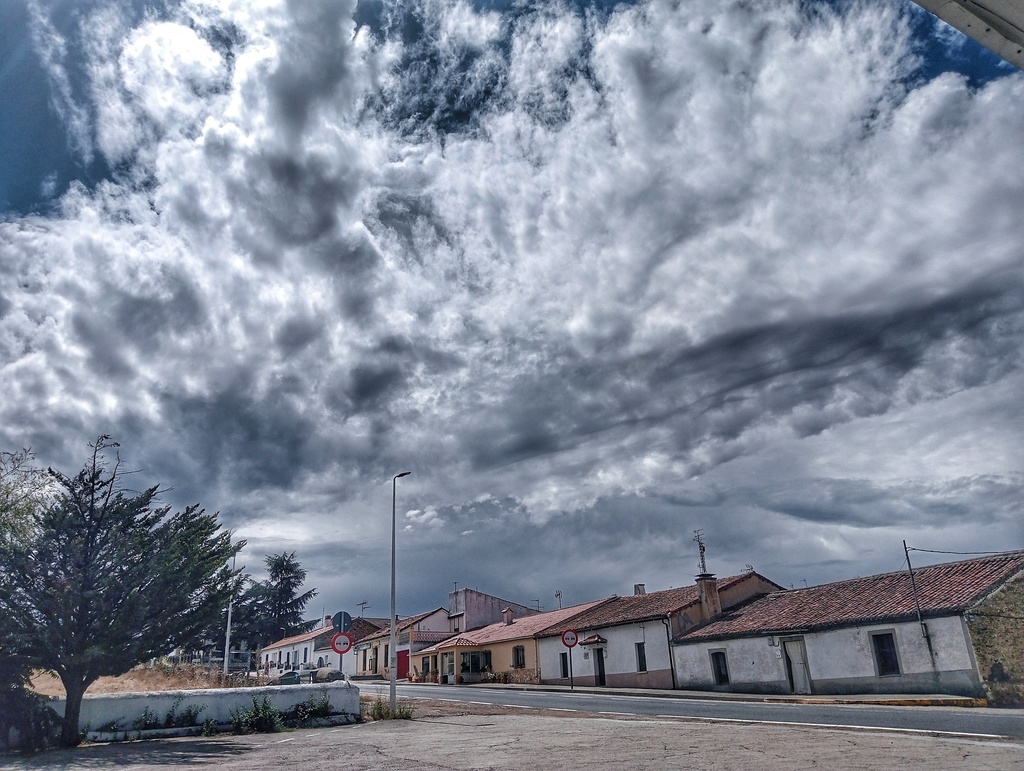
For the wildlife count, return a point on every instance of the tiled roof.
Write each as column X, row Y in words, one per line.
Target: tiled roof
column 941, row 589
column 295, row 639
column 636, row 607
column 519, row 629
column 404, row 623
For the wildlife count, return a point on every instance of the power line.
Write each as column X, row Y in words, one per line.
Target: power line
column 964, row 553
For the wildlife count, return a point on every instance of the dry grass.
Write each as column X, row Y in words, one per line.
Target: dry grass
column 144, row 678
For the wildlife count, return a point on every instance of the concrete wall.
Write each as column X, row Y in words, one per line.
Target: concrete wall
column 123, row 708
column 481, row 609
column 840, row 661
column 620, row 663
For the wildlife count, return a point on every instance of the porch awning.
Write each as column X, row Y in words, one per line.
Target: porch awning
column 594, row 639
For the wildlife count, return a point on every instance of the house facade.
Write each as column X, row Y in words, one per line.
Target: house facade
column 932, row 632
column 298, row 651
column 372, row 654
column 626, row 641
column 506, row 651
column 472, row 609
column 361, row 629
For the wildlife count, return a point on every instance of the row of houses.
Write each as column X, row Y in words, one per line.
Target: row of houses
column 953, row 628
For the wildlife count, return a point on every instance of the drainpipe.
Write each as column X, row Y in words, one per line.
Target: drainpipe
column 671, row 659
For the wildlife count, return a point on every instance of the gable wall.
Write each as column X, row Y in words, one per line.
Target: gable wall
column 997, row 632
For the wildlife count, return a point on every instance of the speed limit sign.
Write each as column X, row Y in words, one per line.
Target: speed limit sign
column 570, row 638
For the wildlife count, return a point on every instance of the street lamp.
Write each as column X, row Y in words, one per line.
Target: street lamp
column 393, row 652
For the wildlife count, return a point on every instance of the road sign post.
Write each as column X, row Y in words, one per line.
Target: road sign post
column 569, row 640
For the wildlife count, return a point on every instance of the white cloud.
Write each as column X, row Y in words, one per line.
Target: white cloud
column 669, row 263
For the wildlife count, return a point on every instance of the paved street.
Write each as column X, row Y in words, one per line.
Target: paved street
column 521, row 739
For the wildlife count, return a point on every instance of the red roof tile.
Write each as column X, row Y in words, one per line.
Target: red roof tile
column 636, row 607
column 941, row 589
column 519, row 629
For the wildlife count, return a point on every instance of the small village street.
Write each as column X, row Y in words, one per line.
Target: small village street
column 448, row 734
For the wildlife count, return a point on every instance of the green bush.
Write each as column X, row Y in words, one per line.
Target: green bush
column 263, row 718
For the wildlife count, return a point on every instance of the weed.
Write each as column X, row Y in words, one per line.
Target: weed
column 209, row 727
column 380, row 709
column 318, row 705
column 263, row 718
column 147, row 720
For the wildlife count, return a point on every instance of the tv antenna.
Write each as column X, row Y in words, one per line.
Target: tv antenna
column 362, row 606
column 558, row 596
column 699, row 538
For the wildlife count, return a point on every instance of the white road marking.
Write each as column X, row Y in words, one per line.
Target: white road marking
column 925, row 731
column 282, row 741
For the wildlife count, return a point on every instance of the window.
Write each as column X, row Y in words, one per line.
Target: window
column 564, row 658
column 426, row 664
column 476, row 661
column 641, row 657
column 305, row 655
column 518, row 656
column 887, row 661
column 719, row 667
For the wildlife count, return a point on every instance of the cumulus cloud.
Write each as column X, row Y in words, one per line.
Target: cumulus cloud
column 598, row 275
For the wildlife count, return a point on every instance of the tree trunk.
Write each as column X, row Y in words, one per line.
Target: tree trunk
column 70, row 735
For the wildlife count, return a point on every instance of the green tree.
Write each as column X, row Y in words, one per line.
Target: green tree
column 271, row 609
column 106, row 579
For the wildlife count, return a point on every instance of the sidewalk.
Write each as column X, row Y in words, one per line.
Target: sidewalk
column 892, row 699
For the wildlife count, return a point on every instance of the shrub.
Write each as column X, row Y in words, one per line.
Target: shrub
column 263, row 718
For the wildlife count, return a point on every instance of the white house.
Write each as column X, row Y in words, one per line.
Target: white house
column 626, row 641
column 949, row 628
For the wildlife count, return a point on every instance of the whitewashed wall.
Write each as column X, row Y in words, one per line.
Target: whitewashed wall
column 124, row 708
column 838, row 659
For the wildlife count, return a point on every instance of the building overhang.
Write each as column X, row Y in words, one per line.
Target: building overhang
column 996, row 24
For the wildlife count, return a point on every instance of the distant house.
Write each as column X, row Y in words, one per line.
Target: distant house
column 949, row 628
column 297, row 651
column 361, row 629
column 505, row 651
column 471, row 609
column 625, row 641
column 413, row 634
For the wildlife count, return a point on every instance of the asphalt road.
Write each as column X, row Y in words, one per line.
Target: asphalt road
column 977, row 721
column 537, row 741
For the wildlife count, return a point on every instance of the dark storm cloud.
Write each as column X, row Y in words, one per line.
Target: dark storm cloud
column 314, row 63
column 598, row 274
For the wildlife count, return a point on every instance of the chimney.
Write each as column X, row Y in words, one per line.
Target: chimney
column 707, row 590
column 639, row 589
column 327, row 621
column 506, row 614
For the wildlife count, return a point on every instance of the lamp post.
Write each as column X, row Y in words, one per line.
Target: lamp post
column 393, row 650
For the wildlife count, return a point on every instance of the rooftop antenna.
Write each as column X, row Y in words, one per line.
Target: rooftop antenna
column 558, row 596
column 537, row 603
column 456, row 585
column 362, row 606
column 699, row 538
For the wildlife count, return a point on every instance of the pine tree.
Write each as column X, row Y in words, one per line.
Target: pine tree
column 106, row 579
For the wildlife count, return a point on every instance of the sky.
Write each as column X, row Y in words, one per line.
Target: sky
column 598, row 274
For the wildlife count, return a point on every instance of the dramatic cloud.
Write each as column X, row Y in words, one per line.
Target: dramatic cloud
column 598, row 274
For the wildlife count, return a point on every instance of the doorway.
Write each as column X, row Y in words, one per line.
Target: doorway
column 599, row 678
column 796, row 665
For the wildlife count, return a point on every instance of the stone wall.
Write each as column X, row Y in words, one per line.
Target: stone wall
column 997, row 632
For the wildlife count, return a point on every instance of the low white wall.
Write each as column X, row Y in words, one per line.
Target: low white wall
column 100, row 710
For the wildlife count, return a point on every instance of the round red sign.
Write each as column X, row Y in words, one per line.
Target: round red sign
column 570, row 638
column 341, row 643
